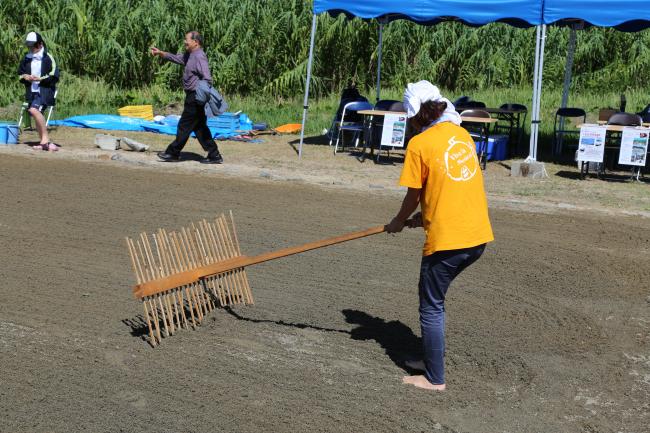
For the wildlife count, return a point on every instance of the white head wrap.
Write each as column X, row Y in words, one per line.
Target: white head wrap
column 423, row 91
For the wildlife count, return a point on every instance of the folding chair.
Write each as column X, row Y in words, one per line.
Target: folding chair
column 478, row 131
column 559, row 133
column 354, row 122
column 512, row 122
column 605, row 113
column 645, row 114
column 623, row 119
column 468, row 105
column 23, row 113
column 377, row 123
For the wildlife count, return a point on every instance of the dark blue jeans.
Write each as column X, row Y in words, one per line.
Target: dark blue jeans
column 437, row 271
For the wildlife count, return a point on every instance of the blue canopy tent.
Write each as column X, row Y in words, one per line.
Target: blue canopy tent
column 519, row 13
column 631, row 15
column 628, row 16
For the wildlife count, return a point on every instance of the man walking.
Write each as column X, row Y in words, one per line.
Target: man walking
column 39, row 73
column 193, row 118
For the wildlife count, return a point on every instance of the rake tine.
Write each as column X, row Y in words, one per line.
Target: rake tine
column 214, row 243
column 139, row 278
column 178, row 267
column 229, row 279
column 209, row 258
column 154, row 312
column 223, row 233
column 176, row 293
column 145, row 272
column 196, row 288
column 152, row 339
column 242, row 273
column 152, row 271
column 153, row 267
column 165, row 296
column 194, row 260
column 167, row 268
column 229, row 283
column 183, row 264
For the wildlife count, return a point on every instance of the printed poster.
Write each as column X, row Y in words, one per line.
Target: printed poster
column 634, row 146
column 394, row 130
column 591, row 147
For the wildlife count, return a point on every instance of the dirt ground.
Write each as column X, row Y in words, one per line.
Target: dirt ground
column 548, row 332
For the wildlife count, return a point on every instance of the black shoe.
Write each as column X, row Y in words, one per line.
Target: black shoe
column 168, row 157
column 213, row 159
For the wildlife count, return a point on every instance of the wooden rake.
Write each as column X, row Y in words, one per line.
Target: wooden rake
column 181, row 276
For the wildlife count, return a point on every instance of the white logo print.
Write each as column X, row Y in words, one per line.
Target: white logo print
column 460, row 160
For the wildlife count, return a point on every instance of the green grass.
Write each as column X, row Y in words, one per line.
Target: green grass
column 85, row 96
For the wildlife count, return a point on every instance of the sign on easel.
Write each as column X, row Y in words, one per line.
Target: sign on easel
column 634, row 146
column 591, row 146
column 392, row 135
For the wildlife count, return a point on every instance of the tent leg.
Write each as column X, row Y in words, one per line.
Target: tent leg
column 537, row 89
column 530, row 167
column 533, row 114
column 380, row 49
column 305, row 105
column 567, row 81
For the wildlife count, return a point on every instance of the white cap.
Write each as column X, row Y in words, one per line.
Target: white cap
column 32, row 38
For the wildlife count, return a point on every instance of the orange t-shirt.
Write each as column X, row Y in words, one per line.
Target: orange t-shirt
column 442, row 162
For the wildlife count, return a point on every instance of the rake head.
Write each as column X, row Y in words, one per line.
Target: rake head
column 183, row 275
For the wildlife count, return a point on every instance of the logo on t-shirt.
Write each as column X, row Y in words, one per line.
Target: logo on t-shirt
column 460, row 160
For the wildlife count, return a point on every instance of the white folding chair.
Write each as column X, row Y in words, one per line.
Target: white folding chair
column 356, row 127
column 23, row 113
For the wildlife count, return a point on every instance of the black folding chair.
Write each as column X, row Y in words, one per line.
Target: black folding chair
column 561, row 117
column 469, row 105
column 512, row 123
column 376, row 124
column 612, row 144
column 480, row 131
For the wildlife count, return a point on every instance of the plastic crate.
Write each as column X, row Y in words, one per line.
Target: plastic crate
column 140, row 111
column 497, row 147
column 225, row 121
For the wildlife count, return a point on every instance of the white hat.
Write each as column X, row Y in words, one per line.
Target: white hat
column 422, row 91
column 33, row 38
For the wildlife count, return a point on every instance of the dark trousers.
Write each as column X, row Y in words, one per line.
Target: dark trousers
column 194, row 120
column 437, row 271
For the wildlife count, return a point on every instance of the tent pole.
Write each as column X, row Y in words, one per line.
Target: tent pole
column 533, row 117
column 381, row 40
column 569, row 66
column 567, row 81
column 540, row 74
column 305, row 105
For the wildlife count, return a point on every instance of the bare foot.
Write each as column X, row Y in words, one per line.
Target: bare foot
column 422, row 382
column 417, row 364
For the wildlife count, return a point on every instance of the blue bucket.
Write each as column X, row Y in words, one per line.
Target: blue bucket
column 8, row 133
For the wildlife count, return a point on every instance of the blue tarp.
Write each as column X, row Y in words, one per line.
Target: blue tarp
column 520, row 13
column 122, row 123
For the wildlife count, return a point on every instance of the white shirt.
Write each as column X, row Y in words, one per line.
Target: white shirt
column 37, row 60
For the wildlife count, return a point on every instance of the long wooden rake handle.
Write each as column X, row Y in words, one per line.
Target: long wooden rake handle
column 186, row 277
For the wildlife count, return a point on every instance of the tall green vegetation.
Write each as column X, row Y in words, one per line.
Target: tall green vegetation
column 261, row 48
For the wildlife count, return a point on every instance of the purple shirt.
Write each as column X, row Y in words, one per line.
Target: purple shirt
column 196, row 67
